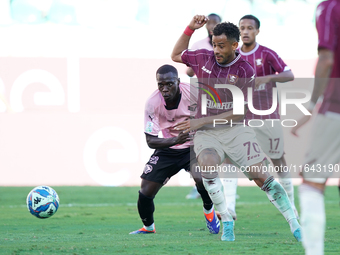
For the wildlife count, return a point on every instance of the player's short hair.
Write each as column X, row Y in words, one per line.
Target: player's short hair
column 215, row 15
column 167, row 69
column 249, row 16
column 229, row 29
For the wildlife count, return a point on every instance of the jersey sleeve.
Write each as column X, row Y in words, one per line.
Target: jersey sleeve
column 151, row 120
column 326, row 23
column 192, row 58
column 276, row 62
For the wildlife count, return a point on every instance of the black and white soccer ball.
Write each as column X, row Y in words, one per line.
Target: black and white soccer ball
column 42, row 202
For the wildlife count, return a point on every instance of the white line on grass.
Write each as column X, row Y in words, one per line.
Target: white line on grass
column 158, row 204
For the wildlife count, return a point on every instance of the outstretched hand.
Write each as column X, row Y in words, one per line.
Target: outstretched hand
column 182, row 137
column 301, row 122
column 198, row 21
column 261, row 80
column 188, row 125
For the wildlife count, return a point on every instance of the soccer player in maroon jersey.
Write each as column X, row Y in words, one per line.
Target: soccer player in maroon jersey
column 173, row 102
column 269, row 68
column 213, row 143
column 322, row 157
column 203, row 44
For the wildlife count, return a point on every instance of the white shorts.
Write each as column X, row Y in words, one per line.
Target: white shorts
column 270, row 138
column 238, row 143
column 323, row 154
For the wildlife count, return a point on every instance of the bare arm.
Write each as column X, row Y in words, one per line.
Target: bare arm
column 155, row 142
column 322, row 73
column 193, row 124
column 280, row 77
column 190, row 72
column 182, row 44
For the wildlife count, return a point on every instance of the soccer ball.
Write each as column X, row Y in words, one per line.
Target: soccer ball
column 42, row 202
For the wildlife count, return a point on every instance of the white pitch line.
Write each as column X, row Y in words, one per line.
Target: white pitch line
column 158, row 204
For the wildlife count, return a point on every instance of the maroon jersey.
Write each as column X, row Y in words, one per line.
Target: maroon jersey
column 265, row 62
column 328, row 27
column 238, row 72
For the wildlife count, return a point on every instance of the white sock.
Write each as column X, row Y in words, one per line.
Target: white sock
column 287, row 184
column 313, row 219
column 150, row 228
column 214, row 188
column 278, row 197
column 230, row 188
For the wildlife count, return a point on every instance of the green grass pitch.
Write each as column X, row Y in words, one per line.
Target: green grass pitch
column 97, row 220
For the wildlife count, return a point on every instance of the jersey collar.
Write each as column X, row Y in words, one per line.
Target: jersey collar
column 238, row 56
column 250, row 52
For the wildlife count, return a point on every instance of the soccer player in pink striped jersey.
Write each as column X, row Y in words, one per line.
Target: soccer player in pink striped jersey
column 324, row 149
column 172, row 102
column 269, row 68
column 213, row 144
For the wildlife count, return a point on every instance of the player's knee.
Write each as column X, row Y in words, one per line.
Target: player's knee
column 209, row 158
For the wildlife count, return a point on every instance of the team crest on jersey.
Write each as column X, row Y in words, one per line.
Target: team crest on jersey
column 192, row 107
column 232, row 78
column 153, row 160
column 258, row 61
column 147, row 169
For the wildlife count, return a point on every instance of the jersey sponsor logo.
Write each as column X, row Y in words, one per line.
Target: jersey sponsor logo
column 147, row 169
column 153, row 160
column 232, row 78
column 149, row 126
column 209, row 93
column 258, row 61
column 225, row 105
column 206, row 70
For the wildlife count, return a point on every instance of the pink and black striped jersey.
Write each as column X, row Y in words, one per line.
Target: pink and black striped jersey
column 159, row 119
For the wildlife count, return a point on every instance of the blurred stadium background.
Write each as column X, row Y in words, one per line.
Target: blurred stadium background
column 75, row 75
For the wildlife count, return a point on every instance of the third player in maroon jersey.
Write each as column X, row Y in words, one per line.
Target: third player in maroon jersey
column 269, row 68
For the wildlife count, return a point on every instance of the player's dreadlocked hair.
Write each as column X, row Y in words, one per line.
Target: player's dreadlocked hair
column 229, row 29
column 167, row 69
column 249, row 16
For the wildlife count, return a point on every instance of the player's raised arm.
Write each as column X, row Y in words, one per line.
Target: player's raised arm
column 322, row 73
column 182, row 44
